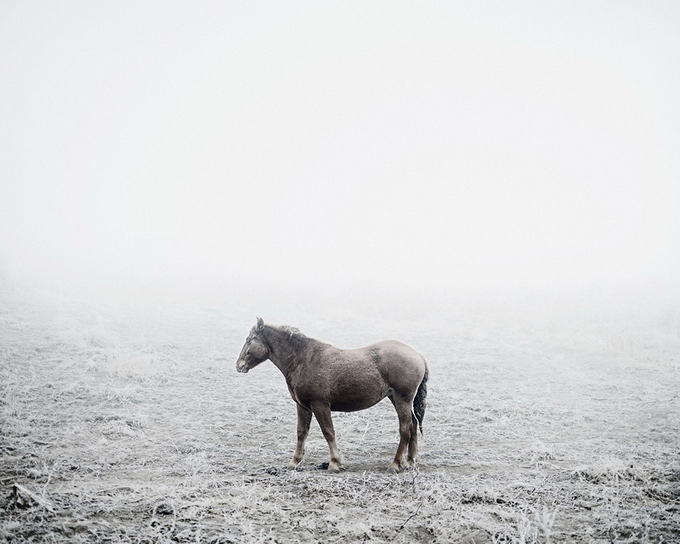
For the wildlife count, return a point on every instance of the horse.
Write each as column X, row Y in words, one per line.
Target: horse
column 322, row 379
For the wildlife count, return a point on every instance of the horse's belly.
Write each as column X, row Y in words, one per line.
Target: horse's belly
column 354, row 402
column 351, row 406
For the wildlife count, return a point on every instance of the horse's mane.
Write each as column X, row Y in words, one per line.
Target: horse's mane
column 292, row 332
column 293, row 335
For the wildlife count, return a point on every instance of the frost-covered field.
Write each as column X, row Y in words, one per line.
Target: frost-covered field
column 127, row 422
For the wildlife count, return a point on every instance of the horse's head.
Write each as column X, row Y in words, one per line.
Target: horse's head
column 255, row 349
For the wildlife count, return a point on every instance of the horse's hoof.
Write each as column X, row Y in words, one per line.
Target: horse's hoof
column 394, row 468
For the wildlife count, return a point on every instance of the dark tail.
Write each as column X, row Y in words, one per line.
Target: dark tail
column 420, row 400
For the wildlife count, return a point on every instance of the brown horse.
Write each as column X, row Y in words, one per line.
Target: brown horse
column 322, row 379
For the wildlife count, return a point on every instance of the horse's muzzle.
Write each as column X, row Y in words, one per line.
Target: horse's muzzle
column 241, row 366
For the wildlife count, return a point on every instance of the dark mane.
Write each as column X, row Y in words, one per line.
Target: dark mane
column 292, row 331
column 294, row 336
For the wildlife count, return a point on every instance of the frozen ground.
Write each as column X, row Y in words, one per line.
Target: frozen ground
column 127, row 422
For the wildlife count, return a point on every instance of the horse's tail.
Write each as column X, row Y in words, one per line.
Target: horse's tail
column 420, row 400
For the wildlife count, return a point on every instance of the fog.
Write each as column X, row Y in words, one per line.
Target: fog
column 412, row 149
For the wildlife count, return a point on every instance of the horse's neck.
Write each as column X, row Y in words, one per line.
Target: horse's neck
column 283, row 351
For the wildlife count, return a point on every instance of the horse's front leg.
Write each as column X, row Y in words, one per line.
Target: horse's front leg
column 322, row 412
column 304, row 419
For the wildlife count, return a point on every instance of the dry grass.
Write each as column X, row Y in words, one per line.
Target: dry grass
column 126, row 424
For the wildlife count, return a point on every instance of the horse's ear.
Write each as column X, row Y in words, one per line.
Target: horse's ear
column 260, row 324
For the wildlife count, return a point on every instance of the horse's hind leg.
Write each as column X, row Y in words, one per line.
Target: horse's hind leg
column 407, row 434
column 413, row 443
column 304, row 418
column 323, row 416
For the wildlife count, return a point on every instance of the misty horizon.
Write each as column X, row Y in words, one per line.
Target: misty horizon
column 341, row 148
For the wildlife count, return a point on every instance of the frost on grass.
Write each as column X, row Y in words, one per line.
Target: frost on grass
column 128, row 424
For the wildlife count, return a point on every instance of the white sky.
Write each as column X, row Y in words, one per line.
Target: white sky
column 457, row 145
